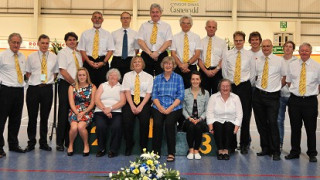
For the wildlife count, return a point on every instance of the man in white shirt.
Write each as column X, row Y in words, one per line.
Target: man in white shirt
column 303, row 79
column 12, row 70
column 125, row 43
column 186, row 49
column 69, row 61
column 255, row 42
column 239, row 68
column 96, row 47
column 270, row 71
column 42, row 69
column 154, row 37
column 214, row 49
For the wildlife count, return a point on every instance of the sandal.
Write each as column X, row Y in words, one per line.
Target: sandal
column 170, row 158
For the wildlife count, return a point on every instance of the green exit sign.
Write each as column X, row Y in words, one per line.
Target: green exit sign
column 277, row 50
column 283, row 24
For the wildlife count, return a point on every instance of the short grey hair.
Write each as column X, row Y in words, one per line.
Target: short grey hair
column 187, row 16
column 113, row 70
column 97, row 12
column 14, row 34
column 155, row 5
column 306, row 44
column 224, row 80
column 168, row 59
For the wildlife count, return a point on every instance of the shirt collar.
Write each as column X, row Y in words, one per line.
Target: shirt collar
column 151, row 22
column 307, row 62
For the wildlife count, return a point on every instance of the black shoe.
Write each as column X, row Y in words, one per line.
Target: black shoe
column 60, row 148
column 101, row 153
column 29, row 148
column 276, row 157
column 85, row 154
column 243, row 150
column 2, row 153
column 263, row 153
column 312, row 159
column 70, row 153
column 231, row 151
column 291, row 156
column 45, row 147
column 17, row 149
column 220, row 157
column 226, row 157
column 111, row 154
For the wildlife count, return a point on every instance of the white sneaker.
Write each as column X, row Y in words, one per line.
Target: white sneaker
column 190, row 156
column 197, row 156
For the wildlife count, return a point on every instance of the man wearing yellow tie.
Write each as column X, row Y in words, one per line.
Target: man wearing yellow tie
column 186, row 49
column 214, row 49
column 96, row 47
column 69, row 61
column 239, row 68
column 154, row 37
column 12, row 69
column 41, row 70
column 270, row 72
column 304, row 79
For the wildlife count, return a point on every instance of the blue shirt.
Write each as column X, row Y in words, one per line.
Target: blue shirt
column 167, row 91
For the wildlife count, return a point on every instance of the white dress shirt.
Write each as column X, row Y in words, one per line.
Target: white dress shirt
column 257, row 54
column 146, row 82
column 224, row 111
column 164, row 34
column 218, row 50
column 312, row 77
column 8, row 72
column 285, row 89
column 247, row 65
column 277, row 69
column 33, row 66
column 118, row 40
column 178, row 44
column 66, row 61
column 105, row 42
column 110, row 96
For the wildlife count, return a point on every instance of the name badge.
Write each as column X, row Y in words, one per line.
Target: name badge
column 43, row 77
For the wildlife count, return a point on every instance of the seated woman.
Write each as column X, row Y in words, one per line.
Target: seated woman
column 137, row 86
column 109, row 101
column 194, row 110
column 81, row 100
column 224, row 117
column 167, row 96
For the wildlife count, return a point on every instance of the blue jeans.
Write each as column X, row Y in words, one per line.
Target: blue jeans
column 281, row 116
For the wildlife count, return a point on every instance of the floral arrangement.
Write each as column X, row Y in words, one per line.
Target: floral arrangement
column 56, row 47
column 230, row 45
column 146, row 167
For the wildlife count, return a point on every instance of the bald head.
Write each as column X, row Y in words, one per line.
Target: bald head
column 211, row 27
column 267, row 47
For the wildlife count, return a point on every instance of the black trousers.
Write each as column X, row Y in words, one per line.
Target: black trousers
column 169, row 122
column 128, row 124
column 186, row 76
column 97, row 76
column 303, row 111
column 38, row 96
column 11, row 105
column 266, row 108
column 123, row 65
column 153, row 67
column 102, row 123
column 194, row 133
column 243, row 90
column 223, row 135
column 63, row 113
column 211, row 83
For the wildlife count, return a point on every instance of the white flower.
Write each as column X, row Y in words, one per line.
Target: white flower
column 110, row 175
column 142, row 170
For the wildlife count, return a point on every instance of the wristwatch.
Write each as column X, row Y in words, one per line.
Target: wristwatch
column 218, row 68
column 159, row 52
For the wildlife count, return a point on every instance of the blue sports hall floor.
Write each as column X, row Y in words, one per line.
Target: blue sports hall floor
column 39, row 164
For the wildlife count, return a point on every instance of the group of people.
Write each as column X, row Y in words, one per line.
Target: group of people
column 168, row 88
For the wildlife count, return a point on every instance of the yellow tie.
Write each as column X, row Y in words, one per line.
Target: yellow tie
column 44, row 67
column 76, row 60
column 265, row 73
column 19, row 73
column 136, row 96
column 185, row 48
column 237, row 71
column 208, row 56
column 95, row 45
column 153, row 37
column 302, row 83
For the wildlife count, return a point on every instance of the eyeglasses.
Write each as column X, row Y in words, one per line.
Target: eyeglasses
column 185, row 23
column 238, row 41
column 125, row 17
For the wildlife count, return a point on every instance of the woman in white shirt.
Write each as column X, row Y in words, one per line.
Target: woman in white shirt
column 109, row 100
column 224, row 117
